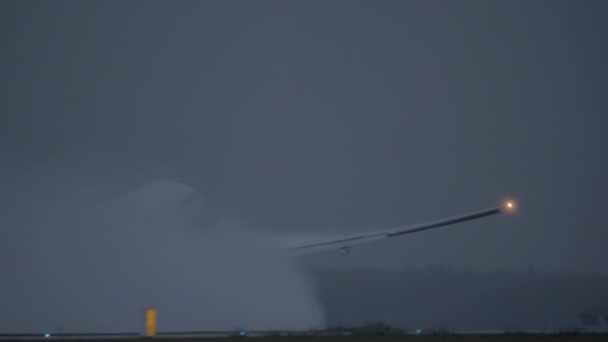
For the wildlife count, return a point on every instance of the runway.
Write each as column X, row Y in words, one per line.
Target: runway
column 325, row 336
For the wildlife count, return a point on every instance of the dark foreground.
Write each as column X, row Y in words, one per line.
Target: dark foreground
column 397, row 338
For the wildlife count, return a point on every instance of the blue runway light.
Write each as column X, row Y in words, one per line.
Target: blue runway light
column 47, row 335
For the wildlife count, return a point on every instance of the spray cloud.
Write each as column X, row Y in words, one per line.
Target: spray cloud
column 98, row 269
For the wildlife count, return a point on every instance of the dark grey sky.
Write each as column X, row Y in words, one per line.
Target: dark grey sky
column 321, row 116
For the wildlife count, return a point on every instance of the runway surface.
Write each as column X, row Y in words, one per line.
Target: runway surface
column 312, row 337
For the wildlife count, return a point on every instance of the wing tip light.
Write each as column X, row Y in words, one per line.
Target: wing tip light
column 510, row 205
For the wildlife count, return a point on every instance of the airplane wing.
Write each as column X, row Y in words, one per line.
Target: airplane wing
column 344, row 243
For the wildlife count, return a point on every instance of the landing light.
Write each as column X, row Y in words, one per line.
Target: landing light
column 47, row 335
column 510, row 205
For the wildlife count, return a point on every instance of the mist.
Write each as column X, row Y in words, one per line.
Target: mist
column 272, row 118
column 443, row 297
column 95, row 268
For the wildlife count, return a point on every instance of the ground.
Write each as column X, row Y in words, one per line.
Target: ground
column 570, row 337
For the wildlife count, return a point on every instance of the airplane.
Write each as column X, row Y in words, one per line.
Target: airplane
column 174, row 199
column 344, row 244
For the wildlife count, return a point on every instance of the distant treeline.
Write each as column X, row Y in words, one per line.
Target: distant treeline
column 441, row 298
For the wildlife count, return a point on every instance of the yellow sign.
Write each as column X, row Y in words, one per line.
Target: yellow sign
column 150, row 322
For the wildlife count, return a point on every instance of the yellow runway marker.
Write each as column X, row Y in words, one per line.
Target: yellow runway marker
column 150, row 322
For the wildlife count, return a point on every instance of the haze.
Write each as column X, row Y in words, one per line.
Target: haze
column 299, row 118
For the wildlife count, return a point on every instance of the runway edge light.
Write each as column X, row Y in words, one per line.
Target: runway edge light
column 150, row 322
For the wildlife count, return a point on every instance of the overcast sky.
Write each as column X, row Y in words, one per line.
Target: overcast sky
column 321, row 117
